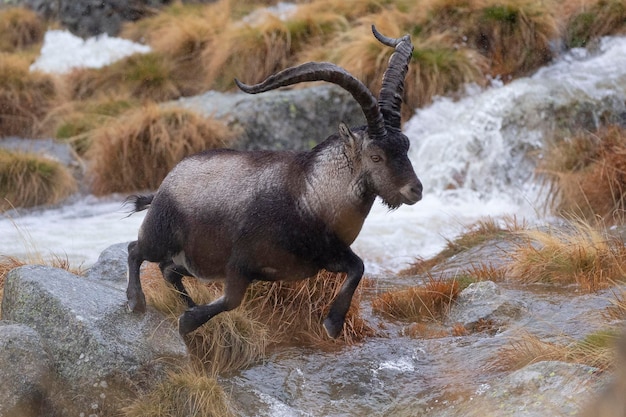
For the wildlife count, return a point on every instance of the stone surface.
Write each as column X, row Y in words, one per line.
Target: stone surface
column 111, row 266
column 483, row 304
column 92, row 17
column 542, row 389
column 279, row 120
column 26, row 370
column 98, row 347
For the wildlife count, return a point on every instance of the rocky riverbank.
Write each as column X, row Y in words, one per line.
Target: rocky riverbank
column 72, row 345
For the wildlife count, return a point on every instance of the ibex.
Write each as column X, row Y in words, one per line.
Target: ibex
column 261, row 215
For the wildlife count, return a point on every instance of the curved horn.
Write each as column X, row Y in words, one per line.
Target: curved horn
column 325, row 71
column 392, row 89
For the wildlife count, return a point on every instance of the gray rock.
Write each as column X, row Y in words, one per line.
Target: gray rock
column 549, row 388
column 91, row 17
column 27, row 371
column 49, row 148
column 111, row 266
column 98, row 347
column 483, row 304
column 278, row 120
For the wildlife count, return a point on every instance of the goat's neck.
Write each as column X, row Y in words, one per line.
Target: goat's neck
column 336, row 192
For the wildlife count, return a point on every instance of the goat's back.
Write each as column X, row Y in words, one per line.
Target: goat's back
column 215, row 201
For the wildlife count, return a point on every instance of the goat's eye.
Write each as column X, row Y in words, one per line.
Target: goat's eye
column 376, row 158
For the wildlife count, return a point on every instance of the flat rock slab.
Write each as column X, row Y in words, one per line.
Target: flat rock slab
column 27, row 367
column 94, row 341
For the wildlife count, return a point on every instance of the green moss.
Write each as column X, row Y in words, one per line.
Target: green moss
column 501, row 13
column 579, row 30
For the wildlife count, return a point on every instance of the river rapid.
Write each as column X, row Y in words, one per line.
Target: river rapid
column 476, row 157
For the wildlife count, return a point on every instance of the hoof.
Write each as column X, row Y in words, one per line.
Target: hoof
column 333, row 329
column 188, row 322
column 137, row 304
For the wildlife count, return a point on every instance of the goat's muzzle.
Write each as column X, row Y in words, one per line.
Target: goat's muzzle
column 411, row 193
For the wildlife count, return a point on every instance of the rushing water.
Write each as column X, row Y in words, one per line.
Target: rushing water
column 471, row 155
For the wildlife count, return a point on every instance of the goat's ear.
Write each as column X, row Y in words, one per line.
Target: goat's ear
column 347, row 135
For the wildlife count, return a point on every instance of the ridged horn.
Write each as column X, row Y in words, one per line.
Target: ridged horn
column 392, row 89
column 326, row 71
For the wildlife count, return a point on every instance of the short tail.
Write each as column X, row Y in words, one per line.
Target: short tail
column 139, row 202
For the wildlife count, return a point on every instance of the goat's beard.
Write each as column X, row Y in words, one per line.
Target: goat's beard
column 391, row 205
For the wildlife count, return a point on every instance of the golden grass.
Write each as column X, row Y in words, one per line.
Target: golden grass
column 596, row 349
column 25, row 96
column 592, row 21
column 429, row 302
column 136, row 150
column 294, row 311
column 586, row 175
column 578, row 255
column 147, row 76
column 514, row 35
column 28, row 180
column 19, row 28
column 187, row 392
column 273, row 313
column 476, row 234
column 74, row 121
column 227, row 342
column 181, row 33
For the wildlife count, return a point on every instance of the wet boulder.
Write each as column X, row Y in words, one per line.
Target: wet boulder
column 538, row 390
column 483, row 306
column 111, row 266
column 277, row 120
column 26, row 369
column 99, row 349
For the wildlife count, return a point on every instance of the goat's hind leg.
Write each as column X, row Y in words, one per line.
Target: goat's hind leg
column 234, row 291
column 174, row 274
column 134, row 293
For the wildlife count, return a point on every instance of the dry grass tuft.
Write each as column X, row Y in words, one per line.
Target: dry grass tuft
column 28, row 180
column 74, row 121
column 25, row 97
column 596, row 349
column 579, row 254
column 181, row 34
column 601, row 18
column 438, row 67
column 138, row 149
column 514, row 35
column 274, row 313
column 188, row 392
column 229, row 341
column 430, row 302
column 586, row 175
column 476, row 234
column 294, row 311
column 20, row 28
column 147, row 76
column 248, row 52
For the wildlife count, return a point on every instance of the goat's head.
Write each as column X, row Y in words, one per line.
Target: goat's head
column 383, row 150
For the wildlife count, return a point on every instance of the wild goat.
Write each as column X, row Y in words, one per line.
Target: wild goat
column 262, row 215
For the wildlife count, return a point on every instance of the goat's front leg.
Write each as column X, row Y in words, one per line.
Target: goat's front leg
column 235, row 287
column 353, row 266
column 134, row 293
